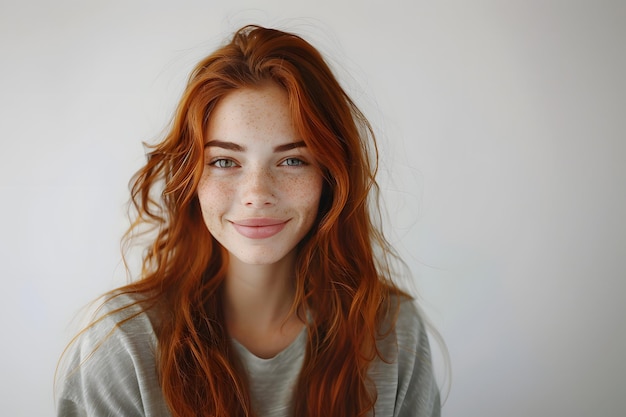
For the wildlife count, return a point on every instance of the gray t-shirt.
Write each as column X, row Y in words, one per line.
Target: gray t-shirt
column 119, row 378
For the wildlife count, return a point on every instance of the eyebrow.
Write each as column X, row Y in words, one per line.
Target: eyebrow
column 231, row 146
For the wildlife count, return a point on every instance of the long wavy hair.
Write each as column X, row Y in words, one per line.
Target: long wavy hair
column 342, row 279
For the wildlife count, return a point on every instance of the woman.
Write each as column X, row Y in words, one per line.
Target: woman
column 266, row 291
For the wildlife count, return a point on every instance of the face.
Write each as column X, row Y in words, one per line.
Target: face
column 260, row 188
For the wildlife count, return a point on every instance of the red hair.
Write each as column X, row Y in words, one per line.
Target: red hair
column 340, row 278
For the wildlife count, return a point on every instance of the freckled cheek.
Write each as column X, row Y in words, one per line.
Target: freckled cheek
column 304, row 191
column 213, row 196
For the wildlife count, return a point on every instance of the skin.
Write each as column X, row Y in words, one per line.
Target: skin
column 259, row 194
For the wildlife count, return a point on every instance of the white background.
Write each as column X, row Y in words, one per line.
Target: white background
column 501, row 126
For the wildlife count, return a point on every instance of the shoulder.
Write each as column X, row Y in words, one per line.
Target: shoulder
column 119, row 322
column 409, row 326
column 110, row 368
column 403, row 329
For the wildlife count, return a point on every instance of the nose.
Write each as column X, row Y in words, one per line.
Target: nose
column 259, row 188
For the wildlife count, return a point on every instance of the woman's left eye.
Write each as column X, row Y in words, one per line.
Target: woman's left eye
column 292, row 162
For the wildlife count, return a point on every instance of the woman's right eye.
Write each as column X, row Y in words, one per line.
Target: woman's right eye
column 223, row 163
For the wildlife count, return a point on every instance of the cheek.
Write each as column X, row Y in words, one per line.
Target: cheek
column 211, row 196
column 306, row 192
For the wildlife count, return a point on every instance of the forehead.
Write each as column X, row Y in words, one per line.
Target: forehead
column 252, row 112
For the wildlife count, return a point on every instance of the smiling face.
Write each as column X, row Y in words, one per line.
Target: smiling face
column 260, row 188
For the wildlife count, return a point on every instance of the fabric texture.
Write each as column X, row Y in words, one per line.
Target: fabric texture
column 111, row 370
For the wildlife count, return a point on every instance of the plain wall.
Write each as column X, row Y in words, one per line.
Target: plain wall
column 501, row 130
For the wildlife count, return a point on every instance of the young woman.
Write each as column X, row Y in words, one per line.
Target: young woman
column 266, row 291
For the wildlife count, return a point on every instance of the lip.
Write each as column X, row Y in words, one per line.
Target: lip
column 259, row 228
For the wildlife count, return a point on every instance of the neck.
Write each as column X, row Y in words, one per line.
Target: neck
column 259, row 296
column 257, row 306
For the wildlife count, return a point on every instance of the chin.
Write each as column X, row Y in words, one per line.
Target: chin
column 262, row 258
column 255, row 259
